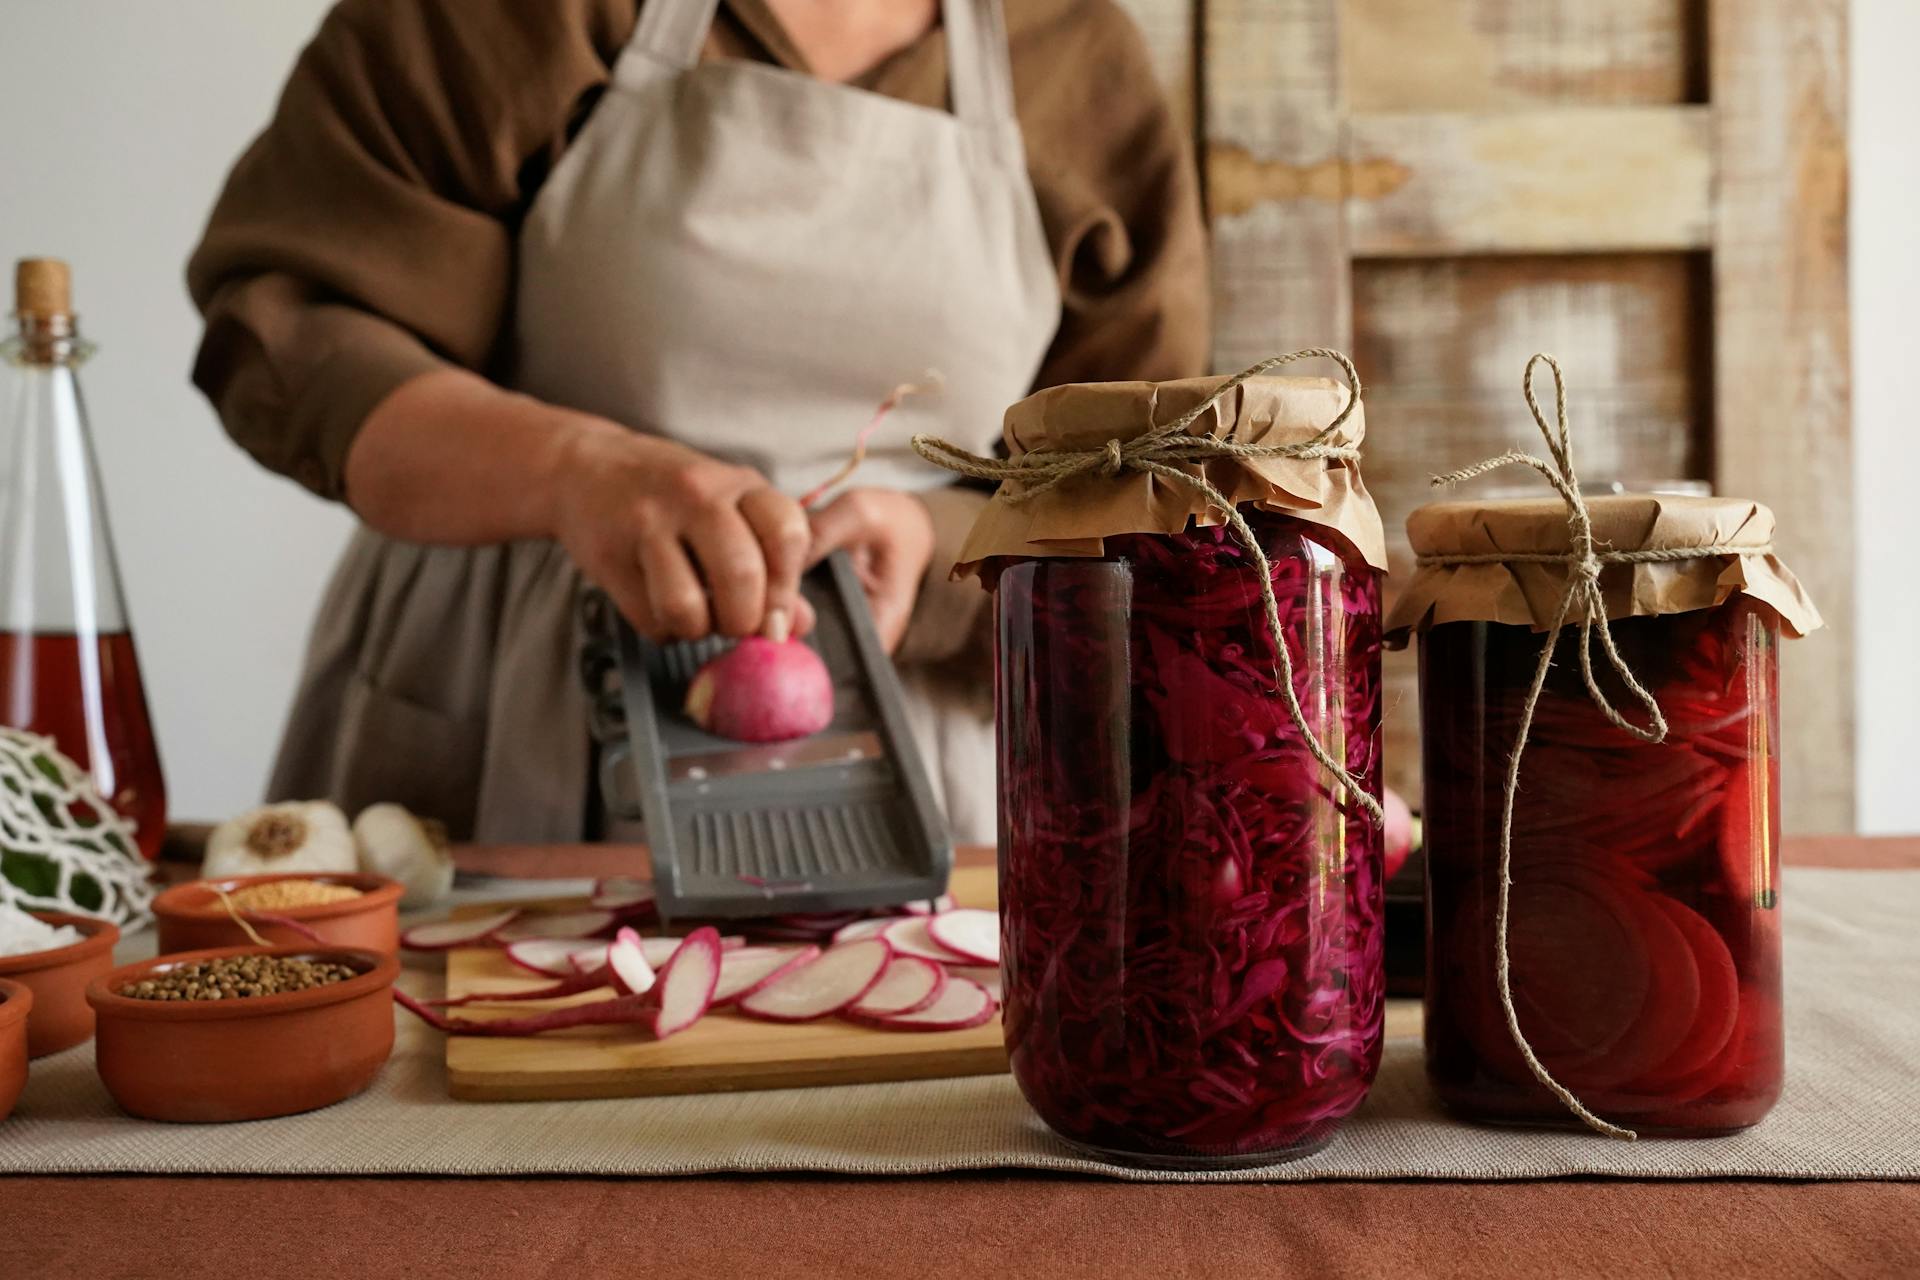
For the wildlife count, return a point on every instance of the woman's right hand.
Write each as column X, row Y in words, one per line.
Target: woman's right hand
column 684, row 544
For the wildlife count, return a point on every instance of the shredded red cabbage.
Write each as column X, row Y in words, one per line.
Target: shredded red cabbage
column 1644, row 936
column 1192, row 921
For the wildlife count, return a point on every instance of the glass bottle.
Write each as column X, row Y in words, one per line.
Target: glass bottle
column 1191, row 912
column 1644, row 940
column 67, row 663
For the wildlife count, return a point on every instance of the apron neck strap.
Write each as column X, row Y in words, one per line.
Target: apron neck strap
column 979, row 66
column 979, row 69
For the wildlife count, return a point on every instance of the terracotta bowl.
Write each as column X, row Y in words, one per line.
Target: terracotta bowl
column 208, row 1062
column 58, row 980
column 16, row 1002
column 190, row 917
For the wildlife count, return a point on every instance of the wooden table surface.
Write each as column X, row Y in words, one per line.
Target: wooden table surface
column 1015, row 1224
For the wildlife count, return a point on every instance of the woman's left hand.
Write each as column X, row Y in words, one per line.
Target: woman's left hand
column 889, row 537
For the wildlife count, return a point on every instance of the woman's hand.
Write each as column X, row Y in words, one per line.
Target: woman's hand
column 685, row 545
column 889, row 537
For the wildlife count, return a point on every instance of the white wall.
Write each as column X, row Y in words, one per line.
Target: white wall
column 122, row 119
column 121, row 122
column 1886, row 282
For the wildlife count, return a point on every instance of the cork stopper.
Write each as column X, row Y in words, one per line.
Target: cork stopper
column 42, row 288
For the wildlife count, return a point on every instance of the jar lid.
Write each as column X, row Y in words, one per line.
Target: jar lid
column 1075, row 516
column 1498, row 583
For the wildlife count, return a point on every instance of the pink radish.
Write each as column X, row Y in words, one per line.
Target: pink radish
column 909, row 983
column 928, row 906
column 557, row 924
column 676, row 1001
column 762, row 691
column 745, row 971
column 962, row 1003
column 627, row 962
column 968, row 932
column 625, row 894
column 909, row 936
column 862, row 929
column 569, row 986
column 1398, row 831
column 822, row 986
column 987, row 975
column 660, row 950
column 444, row 935
column 555, row 957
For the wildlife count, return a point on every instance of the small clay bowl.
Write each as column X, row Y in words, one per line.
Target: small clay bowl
column 16, row 1002
column 58, row 979
column 214, row 1061
column 191, row 918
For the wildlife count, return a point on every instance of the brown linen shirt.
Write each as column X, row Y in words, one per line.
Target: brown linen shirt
column 367, row 236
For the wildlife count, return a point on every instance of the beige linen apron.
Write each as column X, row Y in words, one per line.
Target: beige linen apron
column 744, row 259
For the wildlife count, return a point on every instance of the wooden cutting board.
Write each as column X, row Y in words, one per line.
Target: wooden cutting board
column 723, row 1051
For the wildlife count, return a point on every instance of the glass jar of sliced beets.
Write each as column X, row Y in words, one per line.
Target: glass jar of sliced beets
column 1643, row 929
column 1190, row 900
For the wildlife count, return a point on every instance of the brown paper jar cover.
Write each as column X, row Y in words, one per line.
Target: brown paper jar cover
column 1075, row 518
column 1530, row 592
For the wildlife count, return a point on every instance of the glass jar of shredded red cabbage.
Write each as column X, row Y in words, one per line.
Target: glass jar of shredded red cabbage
column 1191, row 903
column 1643, row 937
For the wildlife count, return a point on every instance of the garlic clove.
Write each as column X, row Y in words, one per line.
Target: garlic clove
column 412, row 850
column 306, row 836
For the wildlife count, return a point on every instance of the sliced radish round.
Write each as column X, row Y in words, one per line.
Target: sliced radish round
column 622, row 893
column 863, row 929
column 684, row 992
column 444, row 935
column 987, row 975
column 825, row 985
column 928, row 906
column 909, row 936
column 557, row 957
column 627, row 962
column 557, row 924
column 909, row 983
column 572, row 985
column 748, row 969
column 969, row 932
column 1719, row 1008
column 962, row 1003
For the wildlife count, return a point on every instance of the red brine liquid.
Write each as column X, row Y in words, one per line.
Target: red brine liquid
column 1644, row 932
column 87, row 696
column 1191, row 918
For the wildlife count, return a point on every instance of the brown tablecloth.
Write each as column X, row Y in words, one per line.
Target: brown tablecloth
column 105, row 1227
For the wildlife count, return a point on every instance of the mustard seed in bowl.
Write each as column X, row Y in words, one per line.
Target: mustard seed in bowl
column 277, row 895
column 237, row 978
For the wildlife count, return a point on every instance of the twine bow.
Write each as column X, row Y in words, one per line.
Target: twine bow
column 1162, row 452
column 1584, row 564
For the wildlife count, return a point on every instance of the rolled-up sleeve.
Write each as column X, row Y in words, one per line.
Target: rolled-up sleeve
column 366, row 236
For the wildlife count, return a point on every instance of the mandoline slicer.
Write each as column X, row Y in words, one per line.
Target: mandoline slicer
column 840, row 820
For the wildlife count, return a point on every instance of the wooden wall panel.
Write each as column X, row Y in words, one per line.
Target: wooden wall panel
column 1272, row 108
column 1588, row 179
column 1482, row 55
column 1782, row 431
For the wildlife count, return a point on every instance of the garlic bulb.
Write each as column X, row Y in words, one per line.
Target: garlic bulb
column 309, row 836
column 411, row 850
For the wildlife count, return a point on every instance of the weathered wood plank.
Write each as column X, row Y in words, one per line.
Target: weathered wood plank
column 1468, row 55
column 1273, row 117
column 1567, row 180
column 1782, row 430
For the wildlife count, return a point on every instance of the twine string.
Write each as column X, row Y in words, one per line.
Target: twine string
column 1584, row 564
column 1163, row 452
